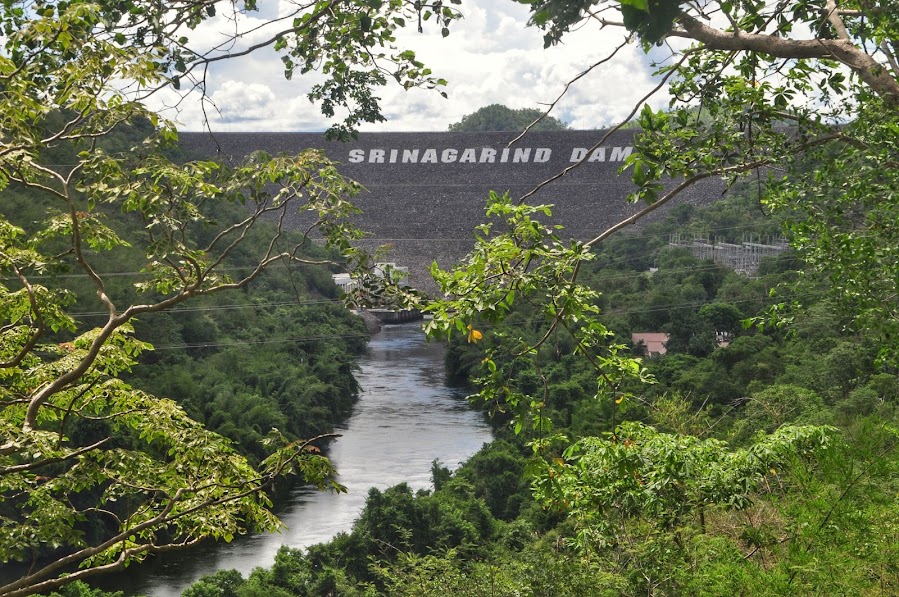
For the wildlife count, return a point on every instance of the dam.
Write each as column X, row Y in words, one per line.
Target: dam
column 425, row 192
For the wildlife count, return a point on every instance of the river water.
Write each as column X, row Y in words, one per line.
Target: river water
column 406, row 417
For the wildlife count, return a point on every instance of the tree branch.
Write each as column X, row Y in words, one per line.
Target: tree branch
column 608, row 134
column 29, row 584
column 869, row 70
column 891, row 57
column 833, row 17
column 33, row 465
column 737, row 168
column 581, row 75
column 38, row 319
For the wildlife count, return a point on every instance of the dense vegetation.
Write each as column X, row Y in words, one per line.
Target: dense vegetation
column 766, row 466
column 262, row 366
column 711, row 481
column 283, row 363
column 93, row 467
column 278, row 354
column 497, row 117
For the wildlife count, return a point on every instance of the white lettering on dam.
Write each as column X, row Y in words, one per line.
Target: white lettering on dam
column 483, row 155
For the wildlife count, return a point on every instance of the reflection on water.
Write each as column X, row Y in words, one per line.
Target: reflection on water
column 406, row 417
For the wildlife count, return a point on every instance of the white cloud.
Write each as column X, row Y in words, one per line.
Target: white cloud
column 239, row 101
column 490, row 57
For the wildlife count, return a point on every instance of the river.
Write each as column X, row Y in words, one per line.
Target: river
column 405, row 418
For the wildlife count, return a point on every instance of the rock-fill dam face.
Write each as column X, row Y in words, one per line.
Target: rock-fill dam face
column 425, row 192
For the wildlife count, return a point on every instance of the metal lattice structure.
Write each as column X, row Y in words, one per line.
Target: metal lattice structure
column 743, row 258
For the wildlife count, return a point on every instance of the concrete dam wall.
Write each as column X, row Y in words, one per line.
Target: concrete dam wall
column 425, row 192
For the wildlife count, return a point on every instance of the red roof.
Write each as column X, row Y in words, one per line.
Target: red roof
column 653, row 341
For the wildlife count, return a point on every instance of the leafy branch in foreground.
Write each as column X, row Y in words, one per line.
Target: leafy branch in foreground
column 526, row 262
column 801, row 94
column 88, row 464
column 95, row 474
column 520, row 264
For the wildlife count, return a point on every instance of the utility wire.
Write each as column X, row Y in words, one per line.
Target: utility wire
column 303, row 303
column 357, row 336
column 673, row 307
column 601, row 278
column 603, row 263
column 260, row 342
column 380, row 240
column 224, row 307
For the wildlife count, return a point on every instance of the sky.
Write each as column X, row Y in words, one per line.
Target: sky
column 491, row 56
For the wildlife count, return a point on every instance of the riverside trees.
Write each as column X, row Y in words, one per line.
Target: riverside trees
column 827, row 71
column 700, row 503
column 808, row 89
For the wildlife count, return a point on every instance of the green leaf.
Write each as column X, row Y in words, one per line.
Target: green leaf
column 638, row 4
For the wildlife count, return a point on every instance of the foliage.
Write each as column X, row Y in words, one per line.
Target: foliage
column 711, row 516
column 291, row 575
column 751, row 68
column 94, row 472
column 496, row 475
column 828, row 71
column 541, row 571
column 668, row 509
column 80, row 589
column 844, row 213
column 285, row 362
column 663, row 478
column 527, row 262
column 114, row 472
column 145, row 43
column 497, row 117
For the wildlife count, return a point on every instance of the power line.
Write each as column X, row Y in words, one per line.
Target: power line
column 762, row 298
column 246, row 268
column 379, row 240
column 454, row 239
column 224, row 307
column 324, row 301
column 260, row 342
column 708, row 267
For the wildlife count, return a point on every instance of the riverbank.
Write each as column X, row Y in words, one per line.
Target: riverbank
column 407, row 416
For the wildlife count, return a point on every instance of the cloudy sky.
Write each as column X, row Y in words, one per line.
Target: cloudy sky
column 490, row 57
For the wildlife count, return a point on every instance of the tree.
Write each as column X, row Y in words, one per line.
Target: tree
column 95, row 474
column 749, row 72
column 801, row 94
column 811, row 87
column 497, row 117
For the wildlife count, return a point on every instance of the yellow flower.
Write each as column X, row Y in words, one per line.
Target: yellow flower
column 473, row 334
